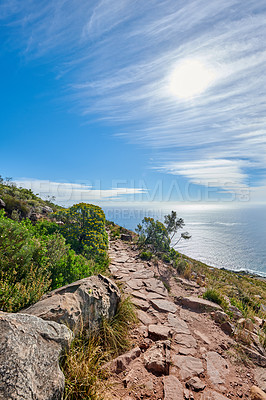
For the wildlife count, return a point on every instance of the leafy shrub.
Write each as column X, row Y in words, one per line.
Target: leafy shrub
column 153, row 235
column 36, row 258
column 13, row 203
column 180, row 266
column 213, row 295
column 156, row 236
column 24, row 276
column 84, row 230
column 166, row 258
column 174, row 254
column 187, row 272
column 64, row 265
column 146, row 255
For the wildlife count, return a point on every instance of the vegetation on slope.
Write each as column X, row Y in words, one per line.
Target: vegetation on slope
column 20, row 203
column 59, row 248
column 43, row 247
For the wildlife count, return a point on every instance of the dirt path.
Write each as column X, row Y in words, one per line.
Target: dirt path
column 177, row 353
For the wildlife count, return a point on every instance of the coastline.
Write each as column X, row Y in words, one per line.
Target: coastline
column 243, row 273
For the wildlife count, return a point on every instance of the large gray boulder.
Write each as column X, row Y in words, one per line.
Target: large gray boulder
column 29, row 354
column 81, row 304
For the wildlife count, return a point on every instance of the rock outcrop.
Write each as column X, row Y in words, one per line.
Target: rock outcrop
column 81, row 304
column 29, row 357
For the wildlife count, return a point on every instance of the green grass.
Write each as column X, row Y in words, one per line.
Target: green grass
column 146, row 255
column 213, row 295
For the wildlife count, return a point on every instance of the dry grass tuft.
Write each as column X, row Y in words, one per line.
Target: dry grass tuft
column 83, row 370
column 83, row 364
column 114, row 333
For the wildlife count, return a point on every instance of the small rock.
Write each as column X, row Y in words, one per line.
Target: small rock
column 47, row 210
column 257, row 394
column 126, row 237
column 187, row 351
column 156, row 360
column 178, row 324
column 259, row 322
column 158, row 332
column 135, row 284
column 145, row 318
column 2, row 203
column 228, row 328
column 236, row 313
column 212, row 395
column 246, row 324
column 203, row 337
column 256, row 357
column 185, row 340
column 263, row 308
column 189, row 366
column 260, row 377
column 120, row 363
column 219, row 316
column 185, row 282
column 173, row 389
column 197, row 304
column 195, row 384
column 139, row 295
column 142, row 304
column 164, row 305
column 186, row 394
column 217, row 368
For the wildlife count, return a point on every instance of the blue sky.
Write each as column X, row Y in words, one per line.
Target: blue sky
column 130, row 101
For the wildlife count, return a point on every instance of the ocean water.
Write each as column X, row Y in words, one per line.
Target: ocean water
column 222, row 236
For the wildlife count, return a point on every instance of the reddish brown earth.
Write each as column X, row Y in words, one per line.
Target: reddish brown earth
column 177, row 353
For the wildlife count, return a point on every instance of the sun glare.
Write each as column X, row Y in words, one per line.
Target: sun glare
column 190, row 78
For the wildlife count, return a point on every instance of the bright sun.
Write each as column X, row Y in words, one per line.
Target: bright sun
column 190, row 78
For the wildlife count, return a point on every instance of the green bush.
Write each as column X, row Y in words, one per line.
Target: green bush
column 166, row 258
column 13, row 203
column 36, row 258
column 213, row 295
column 84, row 230
column 180, row 266
column 153, row 235
column 146, row 255
column 24, row 274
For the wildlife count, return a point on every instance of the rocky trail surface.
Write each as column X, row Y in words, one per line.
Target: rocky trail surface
column 178, row 351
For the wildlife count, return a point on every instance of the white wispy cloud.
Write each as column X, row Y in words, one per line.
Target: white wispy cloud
column 70, row 193
column 226, row 174
column 116, row 58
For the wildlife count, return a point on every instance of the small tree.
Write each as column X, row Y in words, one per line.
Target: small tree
column 173, row 224
column 156, row 236
column 153, row 235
